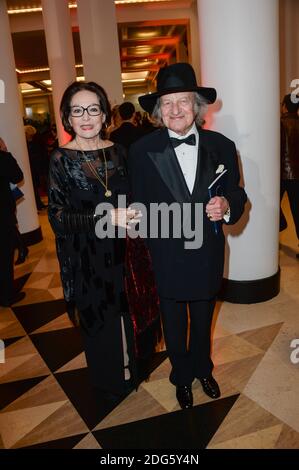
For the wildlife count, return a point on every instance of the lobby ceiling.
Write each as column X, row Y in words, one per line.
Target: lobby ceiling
column 144, row 47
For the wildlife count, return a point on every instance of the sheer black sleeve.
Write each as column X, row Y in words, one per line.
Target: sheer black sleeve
column 63, row 219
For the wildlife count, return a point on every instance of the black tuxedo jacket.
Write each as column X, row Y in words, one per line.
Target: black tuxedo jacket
column 156, row 177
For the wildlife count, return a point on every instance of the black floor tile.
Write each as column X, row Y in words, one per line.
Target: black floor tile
column 9, row 392
column 146, row 366
column 34, row 316
column 58, row 347
column 9, row 341
column 20, row 282
column 184, row 429
column 65, row 443
column 92, row 405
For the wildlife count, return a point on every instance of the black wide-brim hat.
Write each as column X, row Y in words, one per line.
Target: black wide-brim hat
column 173, row 79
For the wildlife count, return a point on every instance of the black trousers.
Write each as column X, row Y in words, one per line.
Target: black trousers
column 188, row 359
column 6, row 261
column 292, row 189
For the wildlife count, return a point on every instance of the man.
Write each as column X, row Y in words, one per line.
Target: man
column 10, row 172
column 165, row 168
column 289, row 128
column 127, row 132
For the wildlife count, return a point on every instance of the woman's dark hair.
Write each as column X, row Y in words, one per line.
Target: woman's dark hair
column 67, row 98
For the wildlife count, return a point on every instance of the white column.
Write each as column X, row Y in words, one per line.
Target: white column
column 99, row 46
column 12, row 129
column 61, row 57
column 239, row 46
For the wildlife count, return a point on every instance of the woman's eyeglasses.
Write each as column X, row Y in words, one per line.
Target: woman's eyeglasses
column 92, row 110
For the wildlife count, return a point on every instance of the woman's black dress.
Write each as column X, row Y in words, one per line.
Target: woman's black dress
column 92, row 269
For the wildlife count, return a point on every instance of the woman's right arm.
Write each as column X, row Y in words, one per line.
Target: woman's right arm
column 63, row 218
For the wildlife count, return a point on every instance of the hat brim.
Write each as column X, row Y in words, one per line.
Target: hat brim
column 147, row 102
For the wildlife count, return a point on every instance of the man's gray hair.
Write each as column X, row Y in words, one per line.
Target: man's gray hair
column 200, row 108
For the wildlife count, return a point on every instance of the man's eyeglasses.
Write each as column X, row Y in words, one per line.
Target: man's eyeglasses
column 92, row 110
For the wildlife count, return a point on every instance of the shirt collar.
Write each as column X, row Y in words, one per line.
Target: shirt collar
column 193, row 130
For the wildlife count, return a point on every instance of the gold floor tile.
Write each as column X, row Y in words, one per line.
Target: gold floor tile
column 11, row 329
column 59, row 323
column 63, row 421
column 77, row 363
column 88, row 442
column 245, row 417
column 17, row 424
column 56, row 280
column 47, row 391
column 34, row 296
column 21, row 347
column 38, row 277
column 56, row 292
column 22, row 361
column 135, row 407
column 264, row 439
column 288, row 439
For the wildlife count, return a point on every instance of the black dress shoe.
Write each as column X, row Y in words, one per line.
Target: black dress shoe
column 8, row 302
column 184, row 396
column 22, row 256
column 210, row 386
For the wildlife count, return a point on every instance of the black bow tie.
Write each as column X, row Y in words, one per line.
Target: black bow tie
column 190, row 140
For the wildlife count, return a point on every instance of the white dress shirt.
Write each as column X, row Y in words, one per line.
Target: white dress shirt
column 187, row 156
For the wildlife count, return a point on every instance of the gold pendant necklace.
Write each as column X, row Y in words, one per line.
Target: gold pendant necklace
column 108, row 192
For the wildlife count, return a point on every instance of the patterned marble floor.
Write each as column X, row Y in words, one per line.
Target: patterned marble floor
column 46, row 401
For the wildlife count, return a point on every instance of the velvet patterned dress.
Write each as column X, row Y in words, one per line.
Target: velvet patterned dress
column 92, row 269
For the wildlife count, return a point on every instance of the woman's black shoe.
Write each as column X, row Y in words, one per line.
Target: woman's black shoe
column 22, row 255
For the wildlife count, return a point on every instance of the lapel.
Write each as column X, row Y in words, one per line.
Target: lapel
column 169, row 169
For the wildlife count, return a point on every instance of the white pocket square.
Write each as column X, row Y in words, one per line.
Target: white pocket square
column 220, row 168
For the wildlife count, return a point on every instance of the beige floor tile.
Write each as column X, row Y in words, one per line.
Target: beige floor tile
column 274, row 385
column 245, row 417
column 262, row 337
column 63, row 421
column 45, row 392
column 232, row 348
column 264, row 439
column 162, row 391
column 138, row 405
column 17, row 424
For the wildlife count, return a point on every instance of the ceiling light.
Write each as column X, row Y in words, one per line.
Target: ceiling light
column 16, row 11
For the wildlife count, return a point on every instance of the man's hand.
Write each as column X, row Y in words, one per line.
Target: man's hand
column 216, row 208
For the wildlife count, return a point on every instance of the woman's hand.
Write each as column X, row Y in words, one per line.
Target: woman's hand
column 123, row 217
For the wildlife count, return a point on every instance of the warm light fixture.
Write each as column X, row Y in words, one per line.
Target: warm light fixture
column 15, row 11
column 41, row 69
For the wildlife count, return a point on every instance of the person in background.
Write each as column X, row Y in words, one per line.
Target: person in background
column 35, row 153
column 176, row 164
column 289, row 128
column 18, row 240
column 10, row 172
column 127, row 132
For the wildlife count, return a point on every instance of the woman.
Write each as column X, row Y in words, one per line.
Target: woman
column 84, row 172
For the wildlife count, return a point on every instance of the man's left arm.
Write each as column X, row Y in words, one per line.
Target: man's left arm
column 234, row 194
